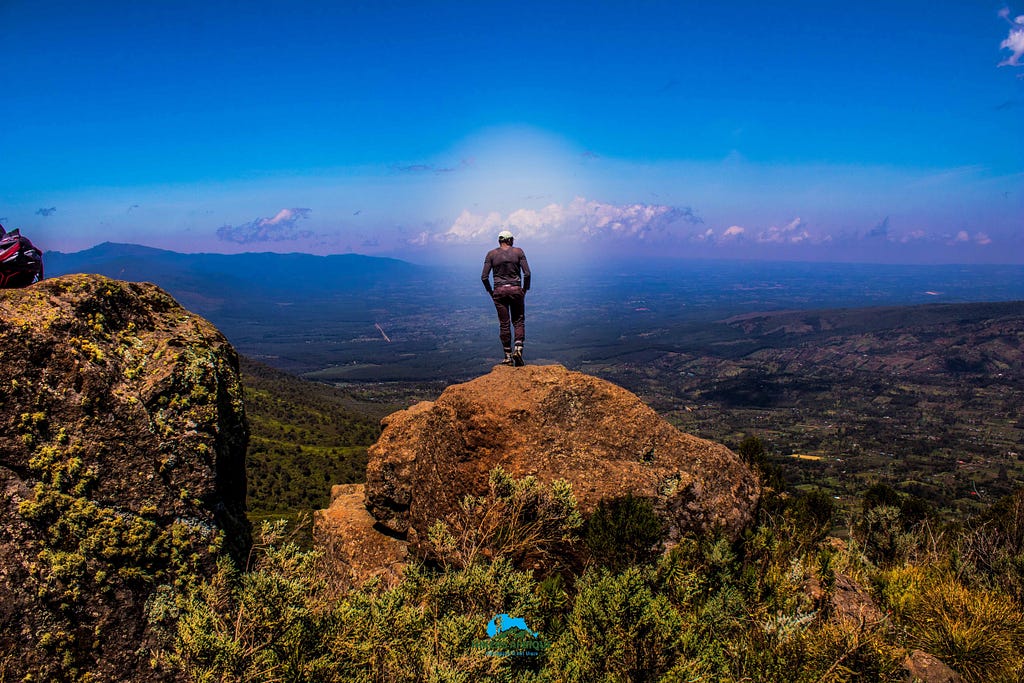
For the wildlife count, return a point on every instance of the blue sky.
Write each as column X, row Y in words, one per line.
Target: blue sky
column 870, row 131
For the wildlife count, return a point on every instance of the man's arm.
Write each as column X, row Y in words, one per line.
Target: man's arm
column 485, row 277
column 526, row 271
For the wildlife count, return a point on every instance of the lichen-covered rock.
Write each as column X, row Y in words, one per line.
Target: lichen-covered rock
column 551, row 423
column 122, row 449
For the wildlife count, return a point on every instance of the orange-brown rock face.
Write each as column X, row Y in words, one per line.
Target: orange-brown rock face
column 348, row 535
column 552, row 423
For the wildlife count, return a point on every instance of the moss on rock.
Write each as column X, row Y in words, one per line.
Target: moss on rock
column 122, row 453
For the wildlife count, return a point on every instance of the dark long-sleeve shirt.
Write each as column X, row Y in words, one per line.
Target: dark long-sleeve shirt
column 507, row 264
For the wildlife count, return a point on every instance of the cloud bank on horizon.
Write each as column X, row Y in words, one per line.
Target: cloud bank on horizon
column 579, row 220
column 664, row 229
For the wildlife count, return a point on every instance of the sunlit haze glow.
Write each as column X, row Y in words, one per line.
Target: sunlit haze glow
column 875, row 132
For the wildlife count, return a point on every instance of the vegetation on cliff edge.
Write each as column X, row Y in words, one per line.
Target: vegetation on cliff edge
column 785, row 603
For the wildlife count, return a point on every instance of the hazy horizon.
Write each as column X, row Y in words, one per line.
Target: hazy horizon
column 801, row 132
column 553, row 260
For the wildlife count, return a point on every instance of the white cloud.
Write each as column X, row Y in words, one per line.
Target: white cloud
column 733, row 232
column 913, row 236
column 469, row 227
column 421, row 239
column 282, row 227
column 793, row 232
column 580, row 218
column 1014, row 41
column 964, row 238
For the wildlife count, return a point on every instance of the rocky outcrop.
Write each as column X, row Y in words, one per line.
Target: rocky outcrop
column 122, row 449
column 551, row 423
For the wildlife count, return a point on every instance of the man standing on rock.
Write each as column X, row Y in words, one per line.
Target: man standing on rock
column 508, row 263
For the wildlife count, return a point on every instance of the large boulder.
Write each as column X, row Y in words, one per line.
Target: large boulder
column 551, row 423
column 122, row 461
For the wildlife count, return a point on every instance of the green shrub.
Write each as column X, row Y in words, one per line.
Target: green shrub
column 883, row 535
column 267, row 623
column 284, row 620
column 708, row 609
column 888, row 525
column 425, row 627
column 618, row 630
column 623, row 532
column 813, row 511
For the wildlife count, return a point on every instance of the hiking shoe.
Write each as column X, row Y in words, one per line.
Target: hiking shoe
column 517, row 356
column 508, row 359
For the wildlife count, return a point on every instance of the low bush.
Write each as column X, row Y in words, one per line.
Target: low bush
column 622, row 532
column 520, row 520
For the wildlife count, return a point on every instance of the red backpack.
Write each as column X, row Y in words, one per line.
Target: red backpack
column 21, row 263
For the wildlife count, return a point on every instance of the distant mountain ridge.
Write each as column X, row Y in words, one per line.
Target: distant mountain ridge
column 171, row 269
column 255, row 296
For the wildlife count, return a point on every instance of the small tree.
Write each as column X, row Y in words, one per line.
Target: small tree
column 752, row 451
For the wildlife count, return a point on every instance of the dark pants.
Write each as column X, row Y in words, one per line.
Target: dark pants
column 511, row 307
